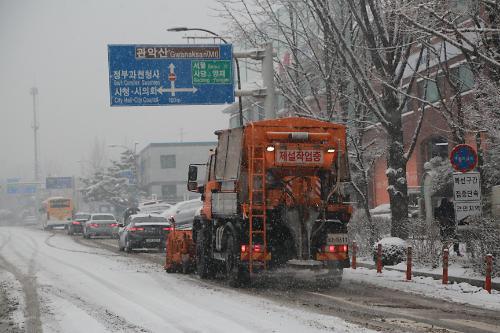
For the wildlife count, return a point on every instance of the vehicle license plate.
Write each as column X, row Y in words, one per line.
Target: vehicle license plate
column 153, row 240
column 337, row 239
column 299, row 156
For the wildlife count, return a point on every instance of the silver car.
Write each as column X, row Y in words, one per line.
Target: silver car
column 101, row 225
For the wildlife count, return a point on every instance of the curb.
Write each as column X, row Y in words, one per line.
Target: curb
column 451, row 279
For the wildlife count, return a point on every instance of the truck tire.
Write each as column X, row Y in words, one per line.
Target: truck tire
column 331, row 281
column 128, row 246
column 235, row 273
column 203, row 264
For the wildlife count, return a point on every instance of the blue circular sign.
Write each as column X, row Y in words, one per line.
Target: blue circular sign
column 463, row 158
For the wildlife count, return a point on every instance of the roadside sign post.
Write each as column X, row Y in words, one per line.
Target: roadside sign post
column 156, row 75
column 466, row 184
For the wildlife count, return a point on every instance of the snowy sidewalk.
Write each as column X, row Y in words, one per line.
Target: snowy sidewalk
column 464, row 286
column 456, row 274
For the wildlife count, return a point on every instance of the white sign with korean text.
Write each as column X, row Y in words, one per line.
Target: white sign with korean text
column 466, row 209
column 466, row 187
column 296, row 156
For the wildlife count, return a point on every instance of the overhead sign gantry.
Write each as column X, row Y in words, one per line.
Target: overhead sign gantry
column 154, row 75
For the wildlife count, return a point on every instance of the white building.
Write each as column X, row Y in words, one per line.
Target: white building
column 163, row 168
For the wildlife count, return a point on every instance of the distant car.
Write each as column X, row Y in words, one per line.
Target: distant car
column 144, row 231
column 183, row 212
column 101, row 225
column 77, row 223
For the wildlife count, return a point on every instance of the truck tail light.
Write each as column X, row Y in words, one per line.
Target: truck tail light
column 335, row 248
column 258, row 248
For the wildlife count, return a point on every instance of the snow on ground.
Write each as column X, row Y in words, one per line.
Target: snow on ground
column 11, row 307
column 459, row 293
column 91, row 290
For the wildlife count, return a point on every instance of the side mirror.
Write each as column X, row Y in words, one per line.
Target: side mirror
column 192, row 186
column 192, row 173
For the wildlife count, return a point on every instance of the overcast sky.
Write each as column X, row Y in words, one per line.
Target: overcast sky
column 61, row 47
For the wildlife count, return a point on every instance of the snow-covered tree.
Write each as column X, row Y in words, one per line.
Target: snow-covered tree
column 117, row 185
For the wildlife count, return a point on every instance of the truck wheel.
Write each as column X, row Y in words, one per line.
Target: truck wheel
column 333, row 281
column 128, row 246
column 234, row 272
column 202, row 260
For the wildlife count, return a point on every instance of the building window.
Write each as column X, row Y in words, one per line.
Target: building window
column 462, row 78
column 167, row 161
column 169, row 192
column 435, row 147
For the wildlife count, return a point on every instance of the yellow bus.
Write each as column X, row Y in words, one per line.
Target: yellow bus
column 58, row 211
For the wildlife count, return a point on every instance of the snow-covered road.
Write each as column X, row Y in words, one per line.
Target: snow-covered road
column 68, row 287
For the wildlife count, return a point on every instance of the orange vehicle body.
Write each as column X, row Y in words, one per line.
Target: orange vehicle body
column 180, row 251
column 273, row 194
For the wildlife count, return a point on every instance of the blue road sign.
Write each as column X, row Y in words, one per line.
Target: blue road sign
column 52, row 183
column 463, row 158
column 21, row 188
column 141, row 75
column 129, row 174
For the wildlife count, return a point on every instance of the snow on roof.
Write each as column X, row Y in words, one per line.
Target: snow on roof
column 381, row 209
column 392, row 241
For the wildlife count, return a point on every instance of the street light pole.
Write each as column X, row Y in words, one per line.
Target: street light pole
column 238, row 76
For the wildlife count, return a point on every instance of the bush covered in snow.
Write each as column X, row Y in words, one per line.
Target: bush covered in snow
column 393, row 250
column 482, row 237
column 425, row 240
column 366, row 232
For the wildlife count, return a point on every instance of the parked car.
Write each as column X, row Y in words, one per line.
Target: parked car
column 183, row 212
column 101, row 225
column 76, row 225
column 153, row 207
column 144, row 231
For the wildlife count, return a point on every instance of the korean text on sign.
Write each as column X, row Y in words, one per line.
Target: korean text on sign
column 299, row 156
column 466, row 186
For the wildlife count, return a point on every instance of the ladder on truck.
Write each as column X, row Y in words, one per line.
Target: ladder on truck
column 257, row 210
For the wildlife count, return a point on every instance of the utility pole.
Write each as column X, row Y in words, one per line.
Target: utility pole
column 34, row 93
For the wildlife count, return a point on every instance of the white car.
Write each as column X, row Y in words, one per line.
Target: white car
column 183, row 212
column 101, row 225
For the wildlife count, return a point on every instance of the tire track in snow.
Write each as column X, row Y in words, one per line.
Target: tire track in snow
column 48, row 242
column 128, row 295
column 29, row 287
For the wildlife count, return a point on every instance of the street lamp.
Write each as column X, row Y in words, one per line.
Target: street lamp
column 240, row 103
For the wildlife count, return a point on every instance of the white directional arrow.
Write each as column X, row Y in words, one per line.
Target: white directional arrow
column 162, row 90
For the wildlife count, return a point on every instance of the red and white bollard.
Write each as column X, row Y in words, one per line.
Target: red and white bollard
column 354, row 249
column 379, row 258
column 445, row 266
column 408, row 263
column 489, row 264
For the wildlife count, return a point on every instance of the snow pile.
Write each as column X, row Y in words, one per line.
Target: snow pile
column 393, row 250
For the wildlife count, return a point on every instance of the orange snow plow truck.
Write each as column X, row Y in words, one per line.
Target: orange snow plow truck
column 273, row 200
